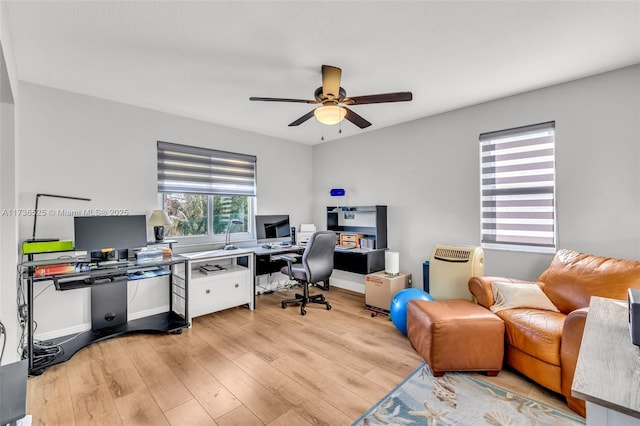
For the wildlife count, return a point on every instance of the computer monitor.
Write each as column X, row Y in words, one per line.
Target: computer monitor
column 97, row 233
column 273, row 228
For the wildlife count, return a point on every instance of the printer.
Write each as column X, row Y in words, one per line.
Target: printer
column 304, row 233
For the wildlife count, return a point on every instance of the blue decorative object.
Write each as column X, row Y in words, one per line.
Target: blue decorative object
column 398, row 308
column 337, row 192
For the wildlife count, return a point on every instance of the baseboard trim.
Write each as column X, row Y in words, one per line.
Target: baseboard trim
column 54, row 334
column 147, row 313
column 81, row 328
column 347, row 284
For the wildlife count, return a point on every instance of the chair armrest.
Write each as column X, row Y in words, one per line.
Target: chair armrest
column 572, row 332
column 289, row 259
column 480, row 287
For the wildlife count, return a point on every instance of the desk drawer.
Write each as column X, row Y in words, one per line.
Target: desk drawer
column 217, row 292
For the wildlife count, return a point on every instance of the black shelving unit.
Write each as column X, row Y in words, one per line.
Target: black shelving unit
column 99, row 278
column 369, row 221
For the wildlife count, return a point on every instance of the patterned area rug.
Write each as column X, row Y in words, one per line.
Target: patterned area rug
column 459, row 399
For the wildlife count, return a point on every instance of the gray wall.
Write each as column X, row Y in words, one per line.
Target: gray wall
column 8, row 223
column 82, row 146
column 427, row 173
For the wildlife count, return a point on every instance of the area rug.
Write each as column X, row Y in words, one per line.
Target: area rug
column 459, row 399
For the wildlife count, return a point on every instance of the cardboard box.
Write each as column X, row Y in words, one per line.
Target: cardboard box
column 380, row 289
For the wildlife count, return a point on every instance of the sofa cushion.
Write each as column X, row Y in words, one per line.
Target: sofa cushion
column 535, row 332
column 513, row 295
column 573, row 277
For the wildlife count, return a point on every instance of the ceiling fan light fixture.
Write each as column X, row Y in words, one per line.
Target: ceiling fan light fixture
column 330, row 114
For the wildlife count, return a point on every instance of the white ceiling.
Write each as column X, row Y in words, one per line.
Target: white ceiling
column 204, row 59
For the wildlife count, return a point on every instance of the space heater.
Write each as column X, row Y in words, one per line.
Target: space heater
column 450, row 268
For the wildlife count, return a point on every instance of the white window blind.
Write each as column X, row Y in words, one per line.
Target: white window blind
column 518, row 188
column 189, row 169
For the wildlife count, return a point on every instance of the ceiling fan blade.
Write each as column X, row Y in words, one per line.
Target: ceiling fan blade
column 356, row 119
column 302, row 119
column 378, row 99
column 302, row 101
column 331, row 81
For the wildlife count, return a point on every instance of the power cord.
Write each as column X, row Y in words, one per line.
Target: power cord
column 3, row 331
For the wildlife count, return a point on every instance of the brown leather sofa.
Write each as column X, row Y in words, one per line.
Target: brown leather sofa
column 544, row 345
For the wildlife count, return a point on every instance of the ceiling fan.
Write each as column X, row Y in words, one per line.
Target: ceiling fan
column 334, row 101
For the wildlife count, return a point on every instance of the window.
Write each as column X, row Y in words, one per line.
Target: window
column 202, row 190
column 518, row 188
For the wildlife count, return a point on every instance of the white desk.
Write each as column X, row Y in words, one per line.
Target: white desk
column 235, row 285
column 607, row 375
column 230, row 287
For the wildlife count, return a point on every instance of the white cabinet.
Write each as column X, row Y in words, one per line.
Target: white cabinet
column 229, row 287
column 222, row 290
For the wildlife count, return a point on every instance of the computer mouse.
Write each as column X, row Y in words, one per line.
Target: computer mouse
column 139, row 272
column 267, row 246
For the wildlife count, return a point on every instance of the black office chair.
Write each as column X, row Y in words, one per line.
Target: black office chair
column 316, row 266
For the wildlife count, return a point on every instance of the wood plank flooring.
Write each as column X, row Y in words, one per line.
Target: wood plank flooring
column 238, row 367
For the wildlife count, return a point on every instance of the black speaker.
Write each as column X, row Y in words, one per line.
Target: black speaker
column 293, row 235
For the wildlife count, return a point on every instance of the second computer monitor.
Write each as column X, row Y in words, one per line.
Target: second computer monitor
column 273, row 228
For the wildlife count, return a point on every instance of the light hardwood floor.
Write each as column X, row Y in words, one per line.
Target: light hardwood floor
column 239, row 367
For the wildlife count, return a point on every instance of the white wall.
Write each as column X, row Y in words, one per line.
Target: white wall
column 8, row 223
column 77, row 145
column 427, row 173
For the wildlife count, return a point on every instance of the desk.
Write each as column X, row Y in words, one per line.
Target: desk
column 232, row 285
column 608, row 369
column 110, row 281
column 266, row 264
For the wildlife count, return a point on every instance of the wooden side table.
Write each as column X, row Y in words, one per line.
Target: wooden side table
column 608, row 369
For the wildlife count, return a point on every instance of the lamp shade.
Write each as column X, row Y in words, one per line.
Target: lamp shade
column 330, row 114
column 159, row 218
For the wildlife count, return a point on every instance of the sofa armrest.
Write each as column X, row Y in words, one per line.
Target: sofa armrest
column 480, row 287
column 572, row 332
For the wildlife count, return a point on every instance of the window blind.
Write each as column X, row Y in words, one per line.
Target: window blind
column 197, row 170
column 518, row 187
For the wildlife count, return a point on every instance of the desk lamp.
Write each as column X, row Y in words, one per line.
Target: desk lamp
column 33, row 238
column 228, row 245
column 159, row 219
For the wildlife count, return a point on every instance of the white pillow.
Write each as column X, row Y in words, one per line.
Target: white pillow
column 514, row 295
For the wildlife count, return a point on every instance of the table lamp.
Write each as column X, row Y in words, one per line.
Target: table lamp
column 159, row 219
column 228, row 245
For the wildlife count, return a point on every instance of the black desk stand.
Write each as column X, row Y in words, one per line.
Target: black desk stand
column 108, row 306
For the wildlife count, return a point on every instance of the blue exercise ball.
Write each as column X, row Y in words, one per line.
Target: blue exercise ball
column 398, row 308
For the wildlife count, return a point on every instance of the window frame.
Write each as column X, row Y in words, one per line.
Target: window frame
column 184, row 169
column 210, row 237
column 525, row 191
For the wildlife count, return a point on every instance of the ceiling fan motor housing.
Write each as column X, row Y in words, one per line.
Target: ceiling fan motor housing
column 320, row 96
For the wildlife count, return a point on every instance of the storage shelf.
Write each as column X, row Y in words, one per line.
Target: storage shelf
column 196, row 274
column 368, row 221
